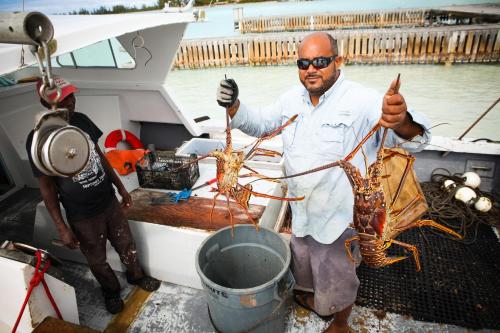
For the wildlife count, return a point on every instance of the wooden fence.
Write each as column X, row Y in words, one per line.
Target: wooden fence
column 455, row 44
column 331, row 21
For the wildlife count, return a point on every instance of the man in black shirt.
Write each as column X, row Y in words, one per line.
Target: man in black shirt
column 92, row 209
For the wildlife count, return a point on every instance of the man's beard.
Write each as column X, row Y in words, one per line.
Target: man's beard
column 327, row 84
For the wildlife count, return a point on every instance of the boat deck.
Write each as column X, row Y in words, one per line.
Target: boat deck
column 174, row 308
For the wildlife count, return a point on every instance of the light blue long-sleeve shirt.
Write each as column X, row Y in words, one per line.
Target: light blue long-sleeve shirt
column 321, row 134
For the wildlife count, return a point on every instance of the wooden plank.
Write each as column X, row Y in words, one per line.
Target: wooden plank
column 274, row 56
column 489, row 45
column 423, row 47
column 227, row 54
column 383, row 49
column 190, row 56
column 482, row 45
column 193, row 213
column 251, row 52
column 475, row 46
column 262, row 57
column 211, row 60
column 350, row 53
column 371, row 42
column 279, row 51
column 238, row 44
column 206, row 55
column 390, row 49
column 185, row 57
column 217, row 55
column 376, row 49
column 180, row 55
column 404, row 47
column 449, row 46
column 430, row 47
column 364, row 47
column 467, row 51
column 256, row 52
column 438, row 47
column 416, row 47
column 496, row 48
column 198, row 55
column 397, row 48
column 411, row 46
column 233, row 49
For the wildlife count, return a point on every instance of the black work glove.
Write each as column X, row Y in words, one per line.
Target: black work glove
column 227, row 93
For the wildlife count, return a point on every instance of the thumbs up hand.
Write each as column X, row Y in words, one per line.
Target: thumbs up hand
column 394, row 108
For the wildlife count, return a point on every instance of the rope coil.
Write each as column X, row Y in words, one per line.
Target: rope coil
column 446, row 210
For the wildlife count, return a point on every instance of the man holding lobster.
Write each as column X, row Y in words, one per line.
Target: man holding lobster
column 333, row 114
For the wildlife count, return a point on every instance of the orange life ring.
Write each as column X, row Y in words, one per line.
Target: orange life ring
column 121, row 135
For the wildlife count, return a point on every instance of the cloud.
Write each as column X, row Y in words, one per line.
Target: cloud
column 60, row 6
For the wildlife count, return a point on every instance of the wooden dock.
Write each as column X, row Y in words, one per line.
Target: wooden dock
column 394, row 18
column 452, row 44
column 331, row 21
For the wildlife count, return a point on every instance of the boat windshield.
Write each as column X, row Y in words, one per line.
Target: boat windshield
column 104, row 54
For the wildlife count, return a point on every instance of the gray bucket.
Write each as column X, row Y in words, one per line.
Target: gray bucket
column 246, row 279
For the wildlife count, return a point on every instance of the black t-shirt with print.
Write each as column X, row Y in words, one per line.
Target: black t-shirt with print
column 89, row 192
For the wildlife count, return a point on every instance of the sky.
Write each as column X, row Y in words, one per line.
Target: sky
column 65, row 6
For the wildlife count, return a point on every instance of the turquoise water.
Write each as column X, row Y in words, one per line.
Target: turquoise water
column 455, row 94
column 219, row 19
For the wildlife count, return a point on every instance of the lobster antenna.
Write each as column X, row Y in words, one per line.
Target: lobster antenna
column 362, row 152
column 384, row 135
column 228, row 129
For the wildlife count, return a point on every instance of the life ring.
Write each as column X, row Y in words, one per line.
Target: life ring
column 121, row 135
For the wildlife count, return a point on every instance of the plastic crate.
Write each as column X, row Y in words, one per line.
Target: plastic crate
column 155, row 171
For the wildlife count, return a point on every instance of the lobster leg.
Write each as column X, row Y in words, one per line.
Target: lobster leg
column 264, row 152
column 248, row 214
column 262, row 195
column 230, row 215
column 213, row 207
column 270, row 135
column 431, row 223
column 347, row 244
column 407, row 246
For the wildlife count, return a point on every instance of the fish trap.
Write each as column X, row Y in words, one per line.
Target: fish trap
column 158, row 170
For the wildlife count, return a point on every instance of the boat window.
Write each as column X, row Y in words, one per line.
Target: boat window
column 64, row 60
column 105, row 54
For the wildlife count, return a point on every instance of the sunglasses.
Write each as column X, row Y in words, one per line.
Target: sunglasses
column 318, row 62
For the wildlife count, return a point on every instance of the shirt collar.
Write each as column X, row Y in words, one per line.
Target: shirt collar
column 338, row 82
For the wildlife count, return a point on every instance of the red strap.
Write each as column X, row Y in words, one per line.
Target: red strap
column 38, row 276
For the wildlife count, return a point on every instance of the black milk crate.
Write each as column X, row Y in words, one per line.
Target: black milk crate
column 155, row 171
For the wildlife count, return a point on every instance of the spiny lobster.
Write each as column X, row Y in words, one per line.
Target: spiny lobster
column 379, row 215
column 229, row 162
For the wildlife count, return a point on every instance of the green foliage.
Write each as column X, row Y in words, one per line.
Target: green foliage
column 119, row 9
